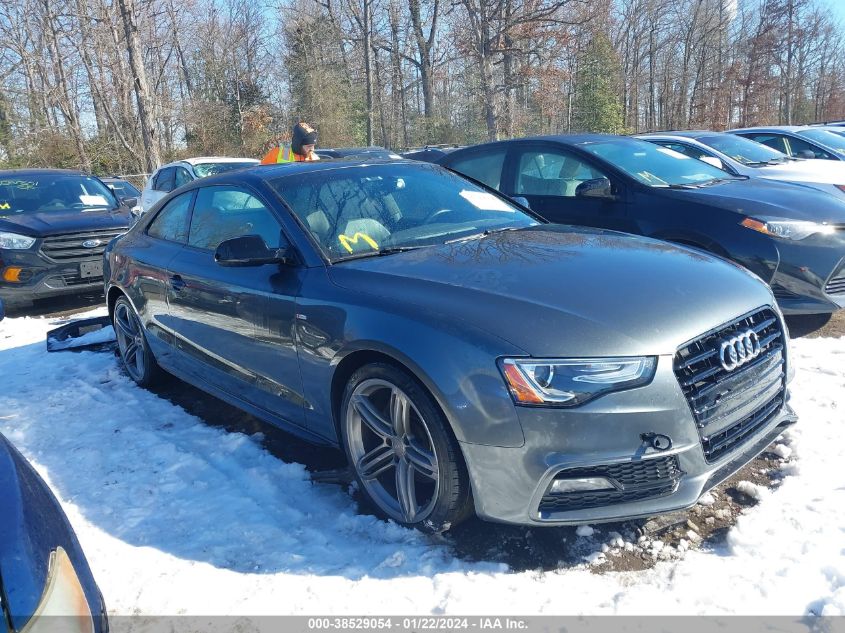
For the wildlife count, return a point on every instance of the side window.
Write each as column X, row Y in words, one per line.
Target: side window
column 182, row 177
column 774, row 141
column 221, row 213
column 798, row 145
column 164, row 180
column 171, row 223
column 485, row 168
column 686, row 150
column 551, row 173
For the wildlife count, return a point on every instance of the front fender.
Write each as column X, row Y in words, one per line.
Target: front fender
column 455, row 361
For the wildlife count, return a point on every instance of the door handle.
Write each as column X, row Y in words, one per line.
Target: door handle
column 177, row 283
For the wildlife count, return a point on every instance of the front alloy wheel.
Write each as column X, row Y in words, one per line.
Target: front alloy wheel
column 403, row 455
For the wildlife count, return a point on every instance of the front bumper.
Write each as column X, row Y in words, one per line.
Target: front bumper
column 509, row 484
column 810, row 277
column 46, row 278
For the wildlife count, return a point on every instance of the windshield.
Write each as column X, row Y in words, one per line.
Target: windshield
column 743, row 150
column 123, row 189
column 210, row 169
column 653, row 165
column 367, row 209
column 828, row 139
column 43, row 193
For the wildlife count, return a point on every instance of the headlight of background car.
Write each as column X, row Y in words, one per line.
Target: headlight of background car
column 63, row 605
column 570, row 382
column 15, row 241
column 787, row 229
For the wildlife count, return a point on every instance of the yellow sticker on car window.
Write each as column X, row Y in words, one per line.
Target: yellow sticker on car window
column 5, row 206
column 347, row 241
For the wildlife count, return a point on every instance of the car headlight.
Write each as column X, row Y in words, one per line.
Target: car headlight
column 63, row 597
column 569, row 382
column 15, row 241
column 788, row 229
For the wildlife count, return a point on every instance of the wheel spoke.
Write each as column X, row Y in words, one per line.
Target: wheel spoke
column 130, row 353
column 374, row 421
column 377, row 461
column 406, row 490
column 124, row 325
column 139, row 359
column 422, row 459
column 400, row 412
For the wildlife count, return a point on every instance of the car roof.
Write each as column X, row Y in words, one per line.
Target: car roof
column 770, row 128
column 563, row 139
column 37, row 171
column 197, row 160
column 685, row 134
column 280, row 170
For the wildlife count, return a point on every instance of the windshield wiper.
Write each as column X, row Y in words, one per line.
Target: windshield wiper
column 485, row 233
column 387, row 250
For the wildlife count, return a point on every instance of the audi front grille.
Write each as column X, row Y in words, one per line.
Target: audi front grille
column 734, row 380
column 70, row 246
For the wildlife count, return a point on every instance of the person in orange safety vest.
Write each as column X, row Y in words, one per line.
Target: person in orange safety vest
column 301, row 147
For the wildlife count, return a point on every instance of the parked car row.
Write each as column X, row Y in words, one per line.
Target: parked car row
column 542, row 331
column 791, row 235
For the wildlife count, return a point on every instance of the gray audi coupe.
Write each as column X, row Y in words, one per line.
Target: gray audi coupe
column 466, row 355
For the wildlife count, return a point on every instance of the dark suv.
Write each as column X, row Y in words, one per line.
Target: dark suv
column 54, row 227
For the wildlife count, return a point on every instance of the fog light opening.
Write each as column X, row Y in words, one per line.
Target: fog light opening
column 581, row 484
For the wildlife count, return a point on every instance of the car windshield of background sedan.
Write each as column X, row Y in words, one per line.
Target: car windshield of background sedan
column 377, row 209
column 828, row 139
column 744, row 151
column 43, row 194
column 210, row 169
column 653, row 165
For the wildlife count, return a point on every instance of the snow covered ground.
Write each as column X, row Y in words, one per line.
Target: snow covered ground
column 179, row 517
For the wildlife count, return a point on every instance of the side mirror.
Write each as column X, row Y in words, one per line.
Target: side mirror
column 712, row 160
column 520, row 200
column 594, row 188
column 129, row 202
column 249, row 250
column 806, row 153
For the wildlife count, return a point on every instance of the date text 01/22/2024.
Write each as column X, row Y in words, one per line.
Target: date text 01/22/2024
column 425, row 623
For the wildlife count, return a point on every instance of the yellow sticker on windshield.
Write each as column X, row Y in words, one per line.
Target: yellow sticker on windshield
column 5, row 206
column 347, row 241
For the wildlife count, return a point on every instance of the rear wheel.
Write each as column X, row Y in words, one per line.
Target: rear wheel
column 132, row 345
column 404, row 456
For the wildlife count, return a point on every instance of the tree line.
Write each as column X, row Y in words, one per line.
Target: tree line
column 118, row 86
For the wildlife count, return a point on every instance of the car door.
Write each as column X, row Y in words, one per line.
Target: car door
column 146, row 281
column 775, row 141
column 235, row 325
column 549, row 176
column 162, row 183
column 484, row 165
column 803, row 149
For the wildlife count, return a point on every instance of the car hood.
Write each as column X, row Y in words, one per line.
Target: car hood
column 830, row 172
column 767, row 198
column 72, row 221
column 556, row 290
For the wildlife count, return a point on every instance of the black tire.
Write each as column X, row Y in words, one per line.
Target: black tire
column 132, row 346
column 427, row 440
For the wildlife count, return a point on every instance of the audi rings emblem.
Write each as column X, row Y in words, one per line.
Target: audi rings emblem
column 740, row 349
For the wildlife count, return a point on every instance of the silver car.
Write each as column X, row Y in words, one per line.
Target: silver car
column 742, row 157
column 800, row 141
column 173, row 175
